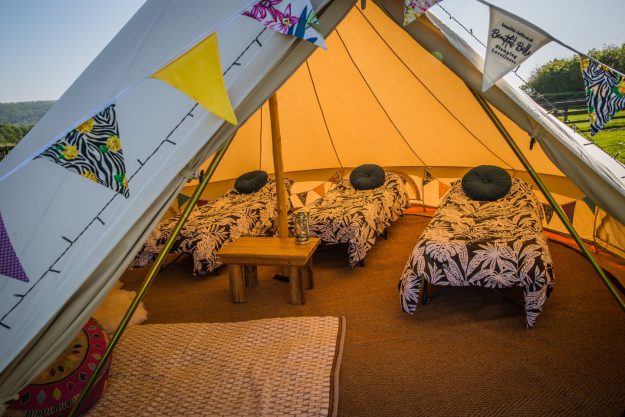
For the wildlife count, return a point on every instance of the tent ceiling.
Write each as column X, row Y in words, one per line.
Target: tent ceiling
column 375, row 96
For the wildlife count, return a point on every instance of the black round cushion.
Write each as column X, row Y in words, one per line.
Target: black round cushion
column 367, row 177
column 251, row 182
column 486, row 183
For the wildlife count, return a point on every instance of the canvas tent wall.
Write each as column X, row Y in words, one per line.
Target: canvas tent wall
column 74, row 238
column 411, row 113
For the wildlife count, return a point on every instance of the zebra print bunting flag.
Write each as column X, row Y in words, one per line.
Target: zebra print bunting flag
column 427, row 177
column 548, row 210
column 94, row 151
column 605, row 92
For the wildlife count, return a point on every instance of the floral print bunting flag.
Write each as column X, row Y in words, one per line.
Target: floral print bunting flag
column 291, row 17
column 94, row 151
column 415, row 8
column 605, row 92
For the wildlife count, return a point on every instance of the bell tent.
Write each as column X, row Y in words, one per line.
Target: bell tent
column 402, row 97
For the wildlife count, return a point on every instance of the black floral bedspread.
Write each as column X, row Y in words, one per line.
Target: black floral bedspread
column 494, row 244
column 357, row 217
column 214, row 224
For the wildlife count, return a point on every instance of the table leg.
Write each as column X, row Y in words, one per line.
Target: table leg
column 307, row 276
column 251, row 275
column 296, row 291
column 237, row 289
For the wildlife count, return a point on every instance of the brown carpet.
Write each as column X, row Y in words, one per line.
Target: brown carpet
column 467, row 353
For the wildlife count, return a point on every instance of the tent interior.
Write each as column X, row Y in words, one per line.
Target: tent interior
column 412, row 114
column 377, row 96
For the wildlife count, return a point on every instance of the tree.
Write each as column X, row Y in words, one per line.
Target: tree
column 562, row 78
column 11, row 134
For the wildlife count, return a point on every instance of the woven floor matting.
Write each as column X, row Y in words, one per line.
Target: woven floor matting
column 466, row 353
column 270, row 367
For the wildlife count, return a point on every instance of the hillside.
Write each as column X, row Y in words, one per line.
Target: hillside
column 23, row 113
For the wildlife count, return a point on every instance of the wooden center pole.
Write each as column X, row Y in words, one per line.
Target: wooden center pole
column 283, row 228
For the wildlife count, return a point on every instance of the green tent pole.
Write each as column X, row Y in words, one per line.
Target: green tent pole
column 556, row 207
column 151, row 274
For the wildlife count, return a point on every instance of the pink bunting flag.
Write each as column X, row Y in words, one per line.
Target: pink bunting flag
column 10, row 264
column 290, row 17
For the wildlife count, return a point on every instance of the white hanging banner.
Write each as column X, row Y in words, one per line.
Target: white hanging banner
column 511, row 40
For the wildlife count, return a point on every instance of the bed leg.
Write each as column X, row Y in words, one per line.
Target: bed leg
column 424, row 292
column 361, row 262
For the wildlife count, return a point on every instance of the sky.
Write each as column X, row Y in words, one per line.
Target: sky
column 46, row 44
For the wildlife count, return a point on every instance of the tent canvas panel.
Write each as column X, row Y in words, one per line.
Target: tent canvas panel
column 104, row 231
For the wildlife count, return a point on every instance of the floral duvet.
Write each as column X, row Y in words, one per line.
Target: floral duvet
column 495, row 244
column 357, row 217
column 214, row 224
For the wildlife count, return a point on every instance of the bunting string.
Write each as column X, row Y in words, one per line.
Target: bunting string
column 553, row 108
column 97, row 218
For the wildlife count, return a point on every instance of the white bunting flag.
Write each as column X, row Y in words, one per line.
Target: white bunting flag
column 511, row 40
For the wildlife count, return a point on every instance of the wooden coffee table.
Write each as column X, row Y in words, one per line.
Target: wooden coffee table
column 246, row 253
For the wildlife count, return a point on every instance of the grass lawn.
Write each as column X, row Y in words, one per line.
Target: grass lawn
column 611, row 139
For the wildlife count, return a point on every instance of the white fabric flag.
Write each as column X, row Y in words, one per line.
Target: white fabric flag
column 511, row 40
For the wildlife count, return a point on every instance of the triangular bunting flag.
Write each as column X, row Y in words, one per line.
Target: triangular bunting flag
column 569, row 209
column 442, row 188
column 182, row 199
column 302, row 197
column 591, row 204
column 320, row 189
column 312, row 196
column 415, row 8
column 427, row 177
column 197, row 73
column 605, row 92
column 511, row 41
column 548, row 211
column 336, row 177
column 93, row 150
column 290, row 17
column 10, row 264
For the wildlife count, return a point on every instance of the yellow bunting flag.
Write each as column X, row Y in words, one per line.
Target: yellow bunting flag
column 197, row 73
